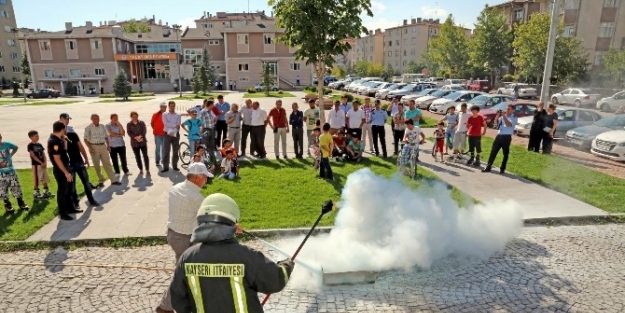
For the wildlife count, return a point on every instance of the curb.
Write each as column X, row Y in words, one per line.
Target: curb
column 129, row 242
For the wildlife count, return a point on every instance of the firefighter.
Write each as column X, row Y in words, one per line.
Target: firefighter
column 217, row 273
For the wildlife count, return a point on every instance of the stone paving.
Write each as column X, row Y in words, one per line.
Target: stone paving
column 546, row 269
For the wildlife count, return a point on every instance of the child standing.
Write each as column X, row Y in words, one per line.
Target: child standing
column 39, row 163
column 314, row 148
column 450, row 131
column 192, row 126
column 229, row 166
column 439, row 134
column 326, row 145
column 476, row 126
column 8, row 177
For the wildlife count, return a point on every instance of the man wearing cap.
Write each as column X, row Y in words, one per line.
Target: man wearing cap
column 78, row 163
column 217, row 274
column 158, row 129
column 184, row 201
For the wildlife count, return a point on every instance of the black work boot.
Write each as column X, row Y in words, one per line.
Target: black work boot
column 477, row 161
column 22, row 204
column 8, row 207
column 470, row 161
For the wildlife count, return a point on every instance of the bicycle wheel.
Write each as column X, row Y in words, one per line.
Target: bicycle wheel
column 184, row 152
column 413, row 166
column 399, row 167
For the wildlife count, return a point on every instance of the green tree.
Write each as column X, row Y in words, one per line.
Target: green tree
column 451, row 48
column 430, row 63
column 196, row 85
column 25, row 66
column 133, row 26
column 121, row 86
column 205, row 81
column 208, row 72
column 490, row 47
column 414, row 67
column 389, row 72
column 570, row 61
column 362, row 68
column 614, row 66
column 318, row 28
column 267, row 79
column 339, row 71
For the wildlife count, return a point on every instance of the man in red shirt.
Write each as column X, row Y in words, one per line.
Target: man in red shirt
column 476, row 128
column 158, row 129
column 278, row 121
column 340, row 145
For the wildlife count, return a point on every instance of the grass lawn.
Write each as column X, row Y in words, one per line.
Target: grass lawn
column 22, row 224
column 196, row 97
column 593, row 187
column 272, row 94
column 286, row 193
column 129, row 100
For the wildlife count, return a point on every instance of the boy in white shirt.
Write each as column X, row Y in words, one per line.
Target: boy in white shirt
column 460, row 137
column 229, row 166
column 413, row 136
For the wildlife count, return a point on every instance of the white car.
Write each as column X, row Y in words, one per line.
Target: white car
column 613, row 103
column 525, row 91
column 442, row 105
column 454, row 81
column 353, row 85
column 373, row 87
column 610, row 145
column 454, row 87
column 425, row 102
column 362, row 90
column 405, row 99
column 383, row 93
column 580, row 97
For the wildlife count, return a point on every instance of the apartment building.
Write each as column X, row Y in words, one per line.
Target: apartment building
column 599, row 24
column 370, row 47
column 10, row 54
column 346, row 59
column 89, row 57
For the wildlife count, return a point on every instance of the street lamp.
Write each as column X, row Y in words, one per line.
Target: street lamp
column 14, row 31
column 177, row 28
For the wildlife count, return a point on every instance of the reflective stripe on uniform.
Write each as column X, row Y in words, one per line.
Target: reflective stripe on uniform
column 238, row 295
column 196, row 292
column 286, row 274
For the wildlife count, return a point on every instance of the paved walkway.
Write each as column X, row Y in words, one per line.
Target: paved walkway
column 546, row 269
column 139, row 206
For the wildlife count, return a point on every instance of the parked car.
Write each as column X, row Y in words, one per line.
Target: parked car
column 580, row 97
column 362, row 86
column 426, row 92
column 410, row 89
column 44, row 93
column 582, row 137
column 525, row 91
column 454, row 87
column 371, row 90
column 442, row 105
column 354, row 84
column 454, row 82
column 485, row 101
column 568, row 118
column 383, row 93
column 436, row 80
column 364, row 89
column 610, row 145
column 612, row 103
column 259, row 87
column 340, row 85
column 521, row 109
column 480, row 85
column 425, row 102
column 326, row 80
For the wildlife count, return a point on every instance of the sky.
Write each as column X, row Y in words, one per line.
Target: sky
column 387, row 13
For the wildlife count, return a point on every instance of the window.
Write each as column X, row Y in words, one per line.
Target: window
column 99, row 72
column 74, row 73
column 48, row 73
column 156, row 48
column 404, row 52
column 3, row 1
column 44, row 45
column 7, row 28
column 14, row 56
column 1, row 68
column 96, row 45
column 11, row 42
column 610, row 3
column 71, row 45
column 397, row 42
column 571, row 4
column 390, row 43
column 403, row 63
column 397, row 53
column 296, row 66
column 569, row 31
column 0, row 54
column 268, row 39
column 193, row 57
column 414, row 41
column 606, row 30
column 242, row 39
column 389, row 54
column 213, row 42
column 4, row 14
column 244, row 67
column 599, row 57
column 17, row 69
column 518, row 15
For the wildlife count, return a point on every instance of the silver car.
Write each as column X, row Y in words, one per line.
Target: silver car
column 382, row 93
column 525, row 91
column 580, row 97
column 568, row 119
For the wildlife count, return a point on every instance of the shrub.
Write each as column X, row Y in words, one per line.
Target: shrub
column 251, row 90
column 327, row 91
column 311, row 89
column 349, row 96
column 280, row 92
column 384, row 106
column 509, row 78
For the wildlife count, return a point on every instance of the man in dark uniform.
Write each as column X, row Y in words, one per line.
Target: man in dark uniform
column 57, row 152
column 76, row 153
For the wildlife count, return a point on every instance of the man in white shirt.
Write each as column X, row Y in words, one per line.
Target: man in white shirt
column 184, row 201
column 336, row 118
column 355, row 119
column 460, row 137
column 171, row 121
column 259, row 123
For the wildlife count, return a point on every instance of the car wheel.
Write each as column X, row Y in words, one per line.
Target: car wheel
column 554, row 100
column 606, row 108
column 578, row 104
column 499, row 92
column 49, row 96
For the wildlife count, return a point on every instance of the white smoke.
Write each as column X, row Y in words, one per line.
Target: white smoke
column 384, row 224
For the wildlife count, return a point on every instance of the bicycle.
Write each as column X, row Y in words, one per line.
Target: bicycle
column 412, row 160
column 184, row 151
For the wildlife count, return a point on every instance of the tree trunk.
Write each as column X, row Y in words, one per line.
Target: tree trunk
column 320, row 69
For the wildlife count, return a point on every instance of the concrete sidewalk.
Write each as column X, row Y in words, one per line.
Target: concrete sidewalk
column 139, row 206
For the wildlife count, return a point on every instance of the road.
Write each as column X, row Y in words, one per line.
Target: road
column 546, row 269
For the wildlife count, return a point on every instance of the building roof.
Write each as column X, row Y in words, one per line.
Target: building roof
column 510, row 2
column 76, row 32
column 201, row 33
column 156, row 35
column 225, row 16
column 254, row 28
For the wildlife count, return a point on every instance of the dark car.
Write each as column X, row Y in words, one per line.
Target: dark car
column 326, row 80
column 44, row 93
column 521, row 109
column 582, row 137
column 480, row 85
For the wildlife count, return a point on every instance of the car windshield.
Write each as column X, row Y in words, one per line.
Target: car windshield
column 408, row 87
column 453, row 95
column 439, row 93
column 393, row 87
column 612, row 121
column 425, row 92
column 588, row 91
column 456, row 81
column 501, row 106
column 479, row 100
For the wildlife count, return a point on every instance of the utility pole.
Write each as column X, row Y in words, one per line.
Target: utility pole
column 24, row 78
column 551, row 46
column 177, row 29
